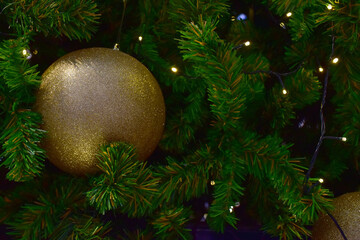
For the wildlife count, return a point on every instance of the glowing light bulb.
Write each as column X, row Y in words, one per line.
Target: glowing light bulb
column 321, row 180
column 284, row 91
column 242, row 17
column 343, row 139
column 203, row 219
column 231, row 209
column 233, row 18
column 174, row 69
column 335, row 60
column 212, row 182
column 289, row 14
column 247, row 43
column 140, row 38
column 321, row 69
column 329, row 6
column 282, row 25
column 26, row 53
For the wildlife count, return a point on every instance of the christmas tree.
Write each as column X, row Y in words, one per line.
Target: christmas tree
column 262, row 118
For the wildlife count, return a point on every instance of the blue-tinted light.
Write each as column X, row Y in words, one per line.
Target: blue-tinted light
column 241, row 17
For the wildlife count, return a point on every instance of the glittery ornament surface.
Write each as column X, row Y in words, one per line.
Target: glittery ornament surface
column 97, row 95
column 346, row 213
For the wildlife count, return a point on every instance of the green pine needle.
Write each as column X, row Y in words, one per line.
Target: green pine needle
column 125, row 184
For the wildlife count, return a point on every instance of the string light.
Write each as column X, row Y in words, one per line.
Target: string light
column 321, row 69
column 212, row 182
column 289, row 14
column 247, row 43
column 282, row 25
column 231, row 209
column 233, row 18
column 116, row 46
column 140, row 38
column 26, row 53
column 335, row 60
column 203, row 219
column 321, row 180
column 174, row 69
column 241, row 17
column 336, row 138
column 237, row 204
column 278, row 75
column 329, row 6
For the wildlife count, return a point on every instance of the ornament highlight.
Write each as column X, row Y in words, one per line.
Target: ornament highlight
column 98, row 95
column 346, row 213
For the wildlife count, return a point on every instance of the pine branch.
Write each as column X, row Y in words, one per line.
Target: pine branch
column 304, row 88
column 39, row 218
column 19, row 79
column 281, row 7
column 182, row 126
column 21, row 134
column 170, row 223
column 81, row 227
column 189, row 10
column 221, row 70
column 181, row 181
column 345, row 22
column 302, row 23
column 280, row 108
column 73, row 19
column 22, row 154
column 218, row 64
column 270, row 164
column 349, row 113
column 125, row 183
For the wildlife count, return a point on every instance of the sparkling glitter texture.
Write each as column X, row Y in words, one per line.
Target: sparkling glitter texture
column 346, row 213
column 97, row 95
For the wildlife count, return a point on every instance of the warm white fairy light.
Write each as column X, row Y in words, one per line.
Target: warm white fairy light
column 282, row 25
column 321, row 69
column 231, row 209
column 212, row 182
column 140, row 38
column 233, row 18
column 343, row 139
column 247, row 43
column 203, row 219
column 284, row 91
column 174, row 69
column 329, row 6
column 321, row 180
column 26, row 53
column 289, row 14
column 335, row 60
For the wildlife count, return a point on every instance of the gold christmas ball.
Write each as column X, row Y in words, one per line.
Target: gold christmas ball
column 98, row 95
column 346, row 213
